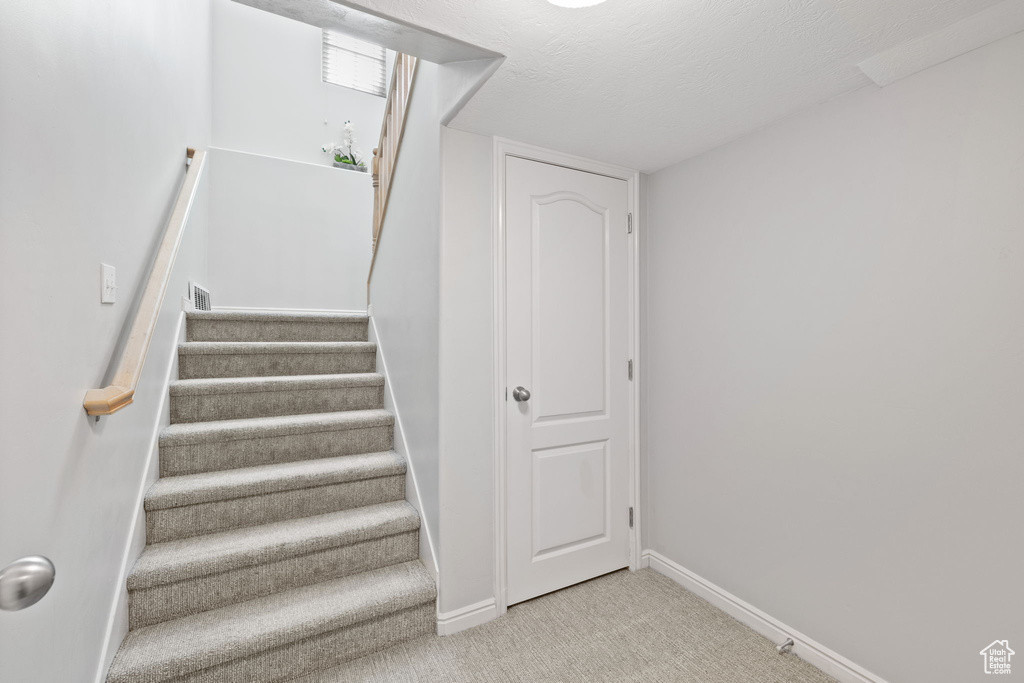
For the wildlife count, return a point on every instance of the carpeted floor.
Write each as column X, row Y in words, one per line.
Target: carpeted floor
column 621, row 627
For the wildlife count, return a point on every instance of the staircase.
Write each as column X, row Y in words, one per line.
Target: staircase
column 279, row 541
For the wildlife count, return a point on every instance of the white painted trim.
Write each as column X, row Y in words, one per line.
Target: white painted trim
column 324, row 166
column 260, row 309
column 117, row 622
column 636, row 541
column 502, row 148
column 450, row 623
column 550, row 156
column 498, row 289
column 428, row 552
column 811, row 651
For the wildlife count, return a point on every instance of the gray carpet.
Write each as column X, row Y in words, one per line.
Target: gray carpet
column 621, row 627
column 206, row 360
column 234, row 326
column 279, row 540
column 202, row 400
column 280, row 636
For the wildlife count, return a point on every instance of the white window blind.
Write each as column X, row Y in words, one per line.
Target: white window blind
column 353, row 63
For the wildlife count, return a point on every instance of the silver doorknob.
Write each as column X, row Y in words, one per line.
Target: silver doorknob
column 24, row 582
column 520, row 394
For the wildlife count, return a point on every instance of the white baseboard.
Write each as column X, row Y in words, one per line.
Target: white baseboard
column 117, row 623
column 251, row 309
column 428, row 553
column 809, row 650
column 450, row 623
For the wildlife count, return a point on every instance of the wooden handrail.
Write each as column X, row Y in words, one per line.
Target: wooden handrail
column 121, row 390
column 385, row 155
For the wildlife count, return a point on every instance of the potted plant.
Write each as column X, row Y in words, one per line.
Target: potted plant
column 345, row 154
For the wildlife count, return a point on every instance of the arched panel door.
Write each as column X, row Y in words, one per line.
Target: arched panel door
column 567, row 346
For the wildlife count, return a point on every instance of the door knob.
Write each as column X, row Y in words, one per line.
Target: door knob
column 520, row 394
column 24, row 582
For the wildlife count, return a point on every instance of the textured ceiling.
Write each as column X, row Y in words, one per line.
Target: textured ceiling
column 647, row 83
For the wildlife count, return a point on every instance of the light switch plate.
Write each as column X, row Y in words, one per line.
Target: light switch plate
column 108, row 284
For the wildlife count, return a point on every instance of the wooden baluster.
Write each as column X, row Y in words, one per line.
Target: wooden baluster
column 389, row 143
column 375, row 168
column 385, row 155
column 401, row 97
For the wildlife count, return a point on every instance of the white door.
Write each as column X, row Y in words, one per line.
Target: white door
column 567, row 344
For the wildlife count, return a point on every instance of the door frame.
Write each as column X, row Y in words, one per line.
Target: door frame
column 504, row 148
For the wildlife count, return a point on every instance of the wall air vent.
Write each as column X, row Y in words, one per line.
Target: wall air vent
column 199, row 296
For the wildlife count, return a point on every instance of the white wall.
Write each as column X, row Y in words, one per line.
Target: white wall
column 643, row 372
column 405, row 289
column 100, row 101
column 836, row 318
column 467, row 392
column 286, row 234
column 268, row 95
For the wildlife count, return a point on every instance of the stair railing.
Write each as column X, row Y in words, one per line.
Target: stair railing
column 120, row 392
column 385, row 155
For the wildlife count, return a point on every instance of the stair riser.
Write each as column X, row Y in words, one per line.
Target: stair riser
column 172, row 524
column 319, row 652
column 210, row 407
column 212, row 365
column 161, row 603
column 277, row 331
column 228, row 455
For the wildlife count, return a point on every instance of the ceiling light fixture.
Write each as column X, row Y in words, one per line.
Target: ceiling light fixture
column 575, row 3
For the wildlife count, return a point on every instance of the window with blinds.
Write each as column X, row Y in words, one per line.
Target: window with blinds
column 353, row 63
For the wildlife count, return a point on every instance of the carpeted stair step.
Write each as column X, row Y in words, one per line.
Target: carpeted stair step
column 195, row 504
column 198, row 360
column 232, row 326
column 195, row 400
column 191, row 448
column 178, row 578
column 284, row 635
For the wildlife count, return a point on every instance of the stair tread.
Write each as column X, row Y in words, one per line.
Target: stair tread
column 176, row 648
column 187, row 433
column 237, row 385
column 173, row 561
column 215, row 348
column 205, row 487
column 277, row 316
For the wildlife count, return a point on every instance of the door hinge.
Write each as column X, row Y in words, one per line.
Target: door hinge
column 630, row 369
column 630, row 518
column 629, row 224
